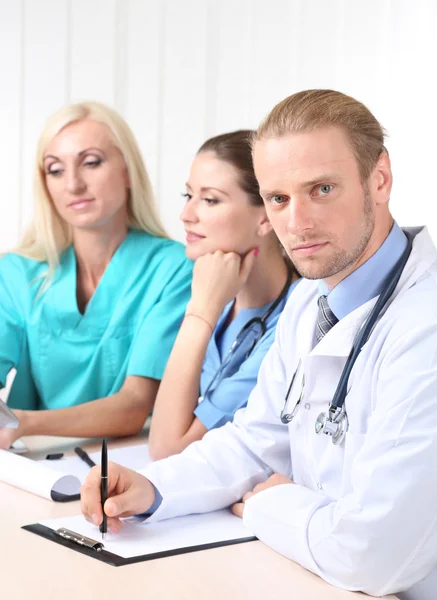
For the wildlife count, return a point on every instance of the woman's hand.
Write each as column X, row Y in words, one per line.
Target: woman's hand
column 217, row 279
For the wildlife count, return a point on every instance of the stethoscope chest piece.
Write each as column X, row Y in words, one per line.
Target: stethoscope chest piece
column 333, row 423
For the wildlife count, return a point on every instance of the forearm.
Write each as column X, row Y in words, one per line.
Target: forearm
column 179, row 390
column 121, row 414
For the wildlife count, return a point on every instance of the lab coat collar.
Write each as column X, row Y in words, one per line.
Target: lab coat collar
column 339, row 340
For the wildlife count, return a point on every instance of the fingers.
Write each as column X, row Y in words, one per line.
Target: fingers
column 90, row 502
column 248, row 495
column 137, row 498
column 238, row 509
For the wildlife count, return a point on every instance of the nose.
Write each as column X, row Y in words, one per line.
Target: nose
column 189, row 212
column 74, row 182
column 299, row 215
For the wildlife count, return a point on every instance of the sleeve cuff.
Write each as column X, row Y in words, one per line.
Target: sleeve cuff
column 156, row 504
column 279, row 516
column 210, row 416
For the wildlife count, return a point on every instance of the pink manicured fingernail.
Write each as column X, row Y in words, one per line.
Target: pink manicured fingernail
column 256, row 252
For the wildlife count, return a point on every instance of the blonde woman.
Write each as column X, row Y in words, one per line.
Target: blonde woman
column 92, row 299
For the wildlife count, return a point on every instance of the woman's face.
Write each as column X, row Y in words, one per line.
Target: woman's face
column 218, row 214
column 86, row 176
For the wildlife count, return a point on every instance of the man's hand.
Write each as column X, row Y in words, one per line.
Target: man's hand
column 273, row 480
column 129, row 493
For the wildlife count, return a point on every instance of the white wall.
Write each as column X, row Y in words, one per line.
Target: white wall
column 183, row 70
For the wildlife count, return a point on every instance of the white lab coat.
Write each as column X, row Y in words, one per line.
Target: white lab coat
column 362, row 515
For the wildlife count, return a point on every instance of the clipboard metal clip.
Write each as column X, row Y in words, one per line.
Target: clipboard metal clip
column 77, row 538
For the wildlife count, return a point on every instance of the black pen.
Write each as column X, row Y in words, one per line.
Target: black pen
column 104, row 486
column 84, row 456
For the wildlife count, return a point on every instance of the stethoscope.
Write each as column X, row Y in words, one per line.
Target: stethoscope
column 252, row 324
column 335, row 422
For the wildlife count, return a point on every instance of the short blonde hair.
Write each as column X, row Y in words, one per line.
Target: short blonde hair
column 49, row 235
column 313, row 109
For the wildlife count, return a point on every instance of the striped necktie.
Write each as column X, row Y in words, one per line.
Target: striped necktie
column 325, row 318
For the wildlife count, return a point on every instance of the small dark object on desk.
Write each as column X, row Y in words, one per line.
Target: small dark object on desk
column 54, row 456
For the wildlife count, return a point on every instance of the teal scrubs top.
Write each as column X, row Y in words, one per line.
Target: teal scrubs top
column 64, row 358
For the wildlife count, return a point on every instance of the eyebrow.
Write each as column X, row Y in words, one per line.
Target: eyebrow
column 81, row 153
column 320, row 179
column 205, row 189
column 324, row 177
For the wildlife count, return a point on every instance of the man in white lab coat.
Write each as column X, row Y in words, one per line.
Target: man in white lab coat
column 362, row 513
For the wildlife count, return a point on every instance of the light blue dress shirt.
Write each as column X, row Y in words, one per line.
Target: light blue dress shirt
column 64, row 358
column 232, row 388
column 368, row 280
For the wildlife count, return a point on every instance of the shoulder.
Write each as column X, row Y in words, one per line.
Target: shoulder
column 18, row 269
column 414, row 310
column 300, row 294
column 168, row 251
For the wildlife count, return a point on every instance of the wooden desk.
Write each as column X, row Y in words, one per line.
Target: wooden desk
column 32, row 568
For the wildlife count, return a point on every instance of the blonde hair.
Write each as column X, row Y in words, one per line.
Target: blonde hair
column 313, row 109
column 49, row 235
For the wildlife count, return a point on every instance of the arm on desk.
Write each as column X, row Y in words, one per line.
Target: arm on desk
column 379, row 538
column 217, row 278
column 121, row 414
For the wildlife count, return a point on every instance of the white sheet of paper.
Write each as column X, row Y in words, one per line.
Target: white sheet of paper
column 35, row 477
column 133, row 457
column 142, row 538
column 7, row 417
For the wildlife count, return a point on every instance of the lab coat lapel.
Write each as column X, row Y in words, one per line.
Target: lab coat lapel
column 338, row 341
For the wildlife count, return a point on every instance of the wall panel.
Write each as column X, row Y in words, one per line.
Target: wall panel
column 183, row 71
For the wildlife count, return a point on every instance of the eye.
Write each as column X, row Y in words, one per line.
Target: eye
column 54, row 171
column 93, row 163
column 186, row 195
column 211, row 201
column 324, row 189
column 277, row 199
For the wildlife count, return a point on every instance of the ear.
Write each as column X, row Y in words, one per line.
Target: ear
column 382, row 179
column 264, row 225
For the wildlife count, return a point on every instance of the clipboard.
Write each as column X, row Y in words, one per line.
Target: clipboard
column 96, row 549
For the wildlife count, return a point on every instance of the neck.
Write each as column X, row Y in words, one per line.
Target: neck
column 94, row 250
column 266, row 280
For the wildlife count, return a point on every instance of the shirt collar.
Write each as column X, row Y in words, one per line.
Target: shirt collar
column 368, row 280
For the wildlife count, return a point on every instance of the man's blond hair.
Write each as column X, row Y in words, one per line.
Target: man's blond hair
column 314, row 109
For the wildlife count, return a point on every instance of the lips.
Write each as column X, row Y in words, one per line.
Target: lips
column 193, row 237
column 81, row 203
column 307, row 249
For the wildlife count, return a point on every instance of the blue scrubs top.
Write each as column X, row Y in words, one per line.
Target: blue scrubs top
column 64, row 358
column 231, row 390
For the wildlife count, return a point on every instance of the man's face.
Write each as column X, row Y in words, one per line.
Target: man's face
column 316, row 202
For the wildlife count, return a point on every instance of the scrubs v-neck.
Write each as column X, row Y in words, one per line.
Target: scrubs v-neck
column 64, row 358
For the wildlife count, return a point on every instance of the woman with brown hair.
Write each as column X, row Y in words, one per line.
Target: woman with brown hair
column 241, row 282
